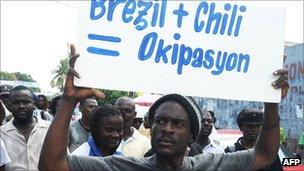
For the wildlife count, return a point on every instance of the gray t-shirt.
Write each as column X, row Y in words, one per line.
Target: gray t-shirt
column 240, row 160
column 78, row 135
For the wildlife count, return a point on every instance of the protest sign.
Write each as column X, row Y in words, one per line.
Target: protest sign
column 197, row 48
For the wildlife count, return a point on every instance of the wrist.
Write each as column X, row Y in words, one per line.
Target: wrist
column 69, row 100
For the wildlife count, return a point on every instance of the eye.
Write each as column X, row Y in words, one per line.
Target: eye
column 159, row 121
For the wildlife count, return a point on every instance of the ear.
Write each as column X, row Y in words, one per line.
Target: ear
column 191, row 139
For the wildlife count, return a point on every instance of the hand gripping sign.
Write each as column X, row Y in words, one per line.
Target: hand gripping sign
column 197, row 48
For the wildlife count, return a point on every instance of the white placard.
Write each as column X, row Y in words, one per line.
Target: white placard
column 197, row 48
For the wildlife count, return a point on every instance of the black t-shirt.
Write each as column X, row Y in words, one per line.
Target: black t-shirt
column 275, row 166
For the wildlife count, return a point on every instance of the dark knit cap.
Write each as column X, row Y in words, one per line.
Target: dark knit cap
column 249, row 116
column 188, row 103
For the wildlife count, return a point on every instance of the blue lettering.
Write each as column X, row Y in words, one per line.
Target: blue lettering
column 112, row 6
column 175, row 49
column 97, row 4
column 199, row 26
column 139, row 19
column 198, row 58
column 213, row 17
column 220, row 64
column 209, row 59
column 242, row 58
column 144, row 45
column 182, row 59
column 231, row 62
column 129, row 9
column 161, row 52
column 180, row 14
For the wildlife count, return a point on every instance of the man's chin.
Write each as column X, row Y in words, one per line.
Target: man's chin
column 165, row 153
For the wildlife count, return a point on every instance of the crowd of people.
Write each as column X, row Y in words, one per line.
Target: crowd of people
column 173, row 135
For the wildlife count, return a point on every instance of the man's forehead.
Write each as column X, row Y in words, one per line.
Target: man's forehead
column 21, row 94
column 91, row 102
column 172, row 110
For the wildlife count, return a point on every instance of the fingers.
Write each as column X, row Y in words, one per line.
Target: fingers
column 72, row 49
column 73, row 60
column 74, row 73
column 283, row 71
column 89, row 92
column 279, row 83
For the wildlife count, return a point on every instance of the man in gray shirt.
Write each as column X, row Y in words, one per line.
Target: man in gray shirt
column 175, row 123
column 80, row 129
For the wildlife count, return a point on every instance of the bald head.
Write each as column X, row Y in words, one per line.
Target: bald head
column 125, row 100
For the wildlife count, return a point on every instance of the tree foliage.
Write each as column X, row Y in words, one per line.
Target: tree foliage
column 60, row 74
column 112, row 95
column 15, row 76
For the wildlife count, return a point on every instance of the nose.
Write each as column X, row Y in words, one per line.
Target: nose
column 167, row 128
column 115, row 134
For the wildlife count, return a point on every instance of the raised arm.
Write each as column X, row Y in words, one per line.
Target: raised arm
column 54, row 151
column 268, row 142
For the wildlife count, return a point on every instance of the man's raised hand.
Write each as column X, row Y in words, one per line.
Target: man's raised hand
column 70, row 90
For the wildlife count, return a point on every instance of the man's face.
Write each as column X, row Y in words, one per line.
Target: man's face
column 207, row 123
column 40, row 103
column 171, row 130
column 127, row 109
column 88, row 107
column 110, row 131
column 22, row 106
column 250, row 130
column 5, row 98
column 137, row 122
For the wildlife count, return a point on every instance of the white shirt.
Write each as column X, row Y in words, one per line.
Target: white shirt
column 213, row 148
column 137, row 145
column 83, row 150
column 24, row 155
column 4, row 158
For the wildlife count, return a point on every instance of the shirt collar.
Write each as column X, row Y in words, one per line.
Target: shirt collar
column 10, row 126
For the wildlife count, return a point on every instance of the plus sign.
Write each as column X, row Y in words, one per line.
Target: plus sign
column 180, row 12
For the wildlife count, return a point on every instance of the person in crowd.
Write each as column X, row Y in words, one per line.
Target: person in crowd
column 301, row 141
column 80, row 129
column 42, row 110
column 144, row 129
column 4, row 158
column 2, row 113
column 203, row 144
column 23, row 135
column 54, row 104
column 175, row 123
column 42, row 103
column 282, row 136
column 137, row 122
column 250, row 122
column 106, row 126
column 4, row 100
column 4, row 93
column 133, row 143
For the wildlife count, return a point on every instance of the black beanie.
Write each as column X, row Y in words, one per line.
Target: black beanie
column 249, row 115
column 190, row 106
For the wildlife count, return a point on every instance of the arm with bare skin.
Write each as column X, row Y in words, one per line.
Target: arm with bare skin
column 268, row 142
column 54, row 152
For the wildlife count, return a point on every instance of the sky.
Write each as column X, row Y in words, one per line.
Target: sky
column 35, row 34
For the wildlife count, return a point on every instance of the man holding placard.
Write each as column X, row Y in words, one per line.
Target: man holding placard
column 175, row 123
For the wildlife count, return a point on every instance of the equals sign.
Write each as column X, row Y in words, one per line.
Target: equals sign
column 101, row 51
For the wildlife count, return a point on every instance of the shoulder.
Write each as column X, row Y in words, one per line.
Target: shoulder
column 82, row 150
column 140, row 137
column 105, row 163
